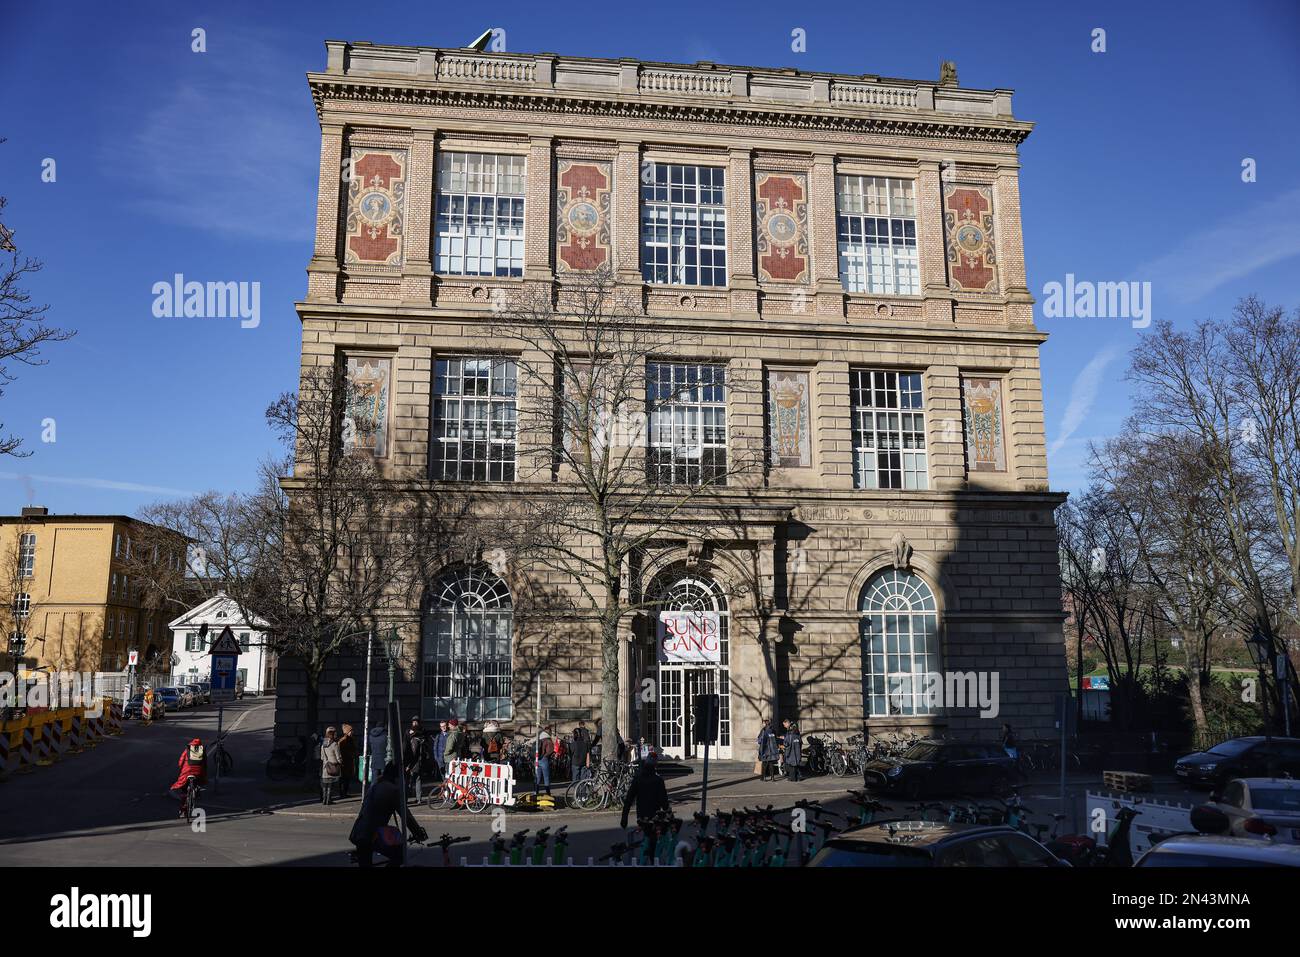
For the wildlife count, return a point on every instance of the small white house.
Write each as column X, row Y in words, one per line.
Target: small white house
column 256, row 667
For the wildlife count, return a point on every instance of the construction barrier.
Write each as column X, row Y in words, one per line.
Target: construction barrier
column 498, row 778
column 39, row 738
column 74, row 733
column 6, row 749
column 114, row 712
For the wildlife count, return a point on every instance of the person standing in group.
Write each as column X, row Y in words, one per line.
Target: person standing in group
column 597, row 741
column 348, row 751
column 440, row 749
column 451, row 748
column 768, row 751
column 415, row 753
column 494, row 742
column 580, row 752
column 543, row 777
column 331, row 765
column 792, row 749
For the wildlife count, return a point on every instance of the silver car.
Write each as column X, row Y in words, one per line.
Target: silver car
column 1261, row 808
column 1219, row 850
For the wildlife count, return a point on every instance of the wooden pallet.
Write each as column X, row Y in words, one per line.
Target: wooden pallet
column 1129, row 781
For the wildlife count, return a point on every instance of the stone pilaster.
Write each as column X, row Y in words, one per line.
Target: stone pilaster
column 417, row 270
column 745, row 422
column 323, row 270
column 741, row 281
column 932, row 253
column 538, row 228
column 828, row 292
column 626, row 214
column 945, row 433
column 833, row 424
column 1011, row 246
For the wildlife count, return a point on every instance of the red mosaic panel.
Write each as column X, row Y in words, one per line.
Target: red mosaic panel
column 781, row 226
column 582, row 204
column 376, row 207
column 968, row 225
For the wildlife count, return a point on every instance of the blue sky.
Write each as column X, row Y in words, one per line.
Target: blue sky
column 169, row 161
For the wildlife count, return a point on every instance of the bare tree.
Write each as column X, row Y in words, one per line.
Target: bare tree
column 1232, row 389
column 606, row 474
column 23, row 329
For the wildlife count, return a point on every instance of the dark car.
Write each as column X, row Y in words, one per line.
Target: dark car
column 134, row 708
column 200, row 696
column 171, row 698
column 1253, row 757
column 938, row 767
column 933, row 844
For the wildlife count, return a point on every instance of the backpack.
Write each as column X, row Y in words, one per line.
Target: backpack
column 493, row 744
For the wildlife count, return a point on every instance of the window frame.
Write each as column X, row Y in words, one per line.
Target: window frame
column 27, row 555
column 889, row 596
column 464, row 599
column 439, row 441
column 446, row 253
column 686, row 394
column 660, row 201
column 858, row 268
column 908, row 406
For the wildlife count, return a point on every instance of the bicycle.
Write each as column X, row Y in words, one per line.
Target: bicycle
column 189, row 801
column 473, row 797
column 221, row 758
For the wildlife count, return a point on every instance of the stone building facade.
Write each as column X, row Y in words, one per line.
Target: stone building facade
column 851, row 242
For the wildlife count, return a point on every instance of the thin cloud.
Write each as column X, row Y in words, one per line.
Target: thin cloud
column 230, row 149
column 1261, row 235
column 1083, row 395
column 27, row 478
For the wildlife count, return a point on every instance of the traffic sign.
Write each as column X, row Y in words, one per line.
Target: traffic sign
column 133, row 658
column 225, row 643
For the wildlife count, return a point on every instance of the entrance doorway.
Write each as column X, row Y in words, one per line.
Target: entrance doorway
column 673, row 720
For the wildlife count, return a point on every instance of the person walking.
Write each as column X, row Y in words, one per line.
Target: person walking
column 768, row 751
column 371, row 831
column 348, row 750
column 792, row 749
column 648, row 792
column 331, row 765
column 580, row 752
column 415, row 753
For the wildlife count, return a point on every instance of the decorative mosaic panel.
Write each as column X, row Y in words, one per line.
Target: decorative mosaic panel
column 985, row 445
column 366, row 403
column 376, row 207
column 781, row 224
column 968, row 223
column 582, row 201
column 789, row 419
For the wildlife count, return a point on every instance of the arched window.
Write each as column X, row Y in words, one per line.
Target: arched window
column 671, row 717
column 466, row 637
column 900, row 644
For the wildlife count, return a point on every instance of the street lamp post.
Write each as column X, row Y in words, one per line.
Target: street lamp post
column 392, row 647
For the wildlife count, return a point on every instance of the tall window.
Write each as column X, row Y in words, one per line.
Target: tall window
column 27, row 555
column 480, row 228
column 900, row 644
column 474, row 420
column 22, row 605
column 466, row 647
column 687, row 406
column 684, row 225
column 876, row 229
column 888, row 430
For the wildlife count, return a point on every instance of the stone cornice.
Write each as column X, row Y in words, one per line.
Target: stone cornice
column 545, row 83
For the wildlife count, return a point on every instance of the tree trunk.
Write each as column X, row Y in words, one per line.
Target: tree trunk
column 1191, row 657
column 609, row 728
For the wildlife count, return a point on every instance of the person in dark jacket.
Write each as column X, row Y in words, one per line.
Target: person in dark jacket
column 415, row 754
column 768, row 752
column 383, row 802
column 581, row 752
column 792, row 749
column 648, row 792
column 439, row 747
column 348, row 749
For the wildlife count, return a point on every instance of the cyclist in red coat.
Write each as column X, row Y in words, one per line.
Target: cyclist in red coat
column 193, row 763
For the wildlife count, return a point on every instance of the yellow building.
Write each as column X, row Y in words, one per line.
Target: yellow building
column 74, row 595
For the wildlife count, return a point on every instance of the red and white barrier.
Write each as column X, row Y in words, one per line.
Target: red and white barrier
column 498, row 778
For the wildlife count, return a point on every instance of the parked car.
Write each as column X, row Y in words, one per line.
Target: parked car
column 134, row 707
column 171, row 697
column 1250, row 757
column 933, row 844
column 1216, row 850
column 198, row 695
column 936, row 767
column 206, row 688
column 1261, row 808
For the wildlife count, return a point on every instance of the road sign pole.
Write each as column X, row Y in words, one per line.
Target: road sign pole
column 216, row 781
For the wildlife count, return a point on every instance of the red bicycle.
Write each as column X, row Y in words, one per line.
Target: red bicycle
column 450, row 794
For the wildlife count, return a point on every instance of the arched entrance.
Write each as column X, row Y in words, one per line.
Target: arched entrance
column 699, row 605
column 900, row 644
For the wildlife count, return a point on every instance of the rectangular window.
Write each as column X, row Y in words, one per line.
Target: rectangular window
column 684, row 225
column 191, row 641
column 888, row 429
column 474, row 420
column 480, row 227
column 243, row 641
column 687, row 409
column 108, row 626
column 22, row 605
column 117, row 546
column 27, row 555
column 148, row 630
column 876, row 230
column 112, row 586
